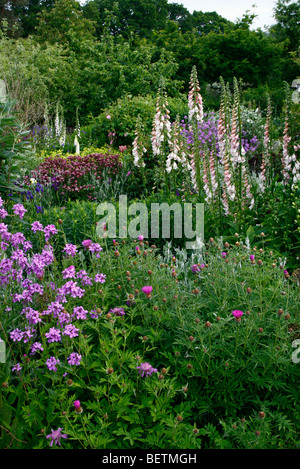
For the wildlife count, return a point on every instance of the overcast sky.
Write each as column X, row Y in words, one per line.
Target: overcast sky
column 233, row 9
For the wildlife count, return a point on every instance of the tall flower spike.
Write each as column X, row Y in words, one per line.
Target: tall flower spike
column 174, row 156
column 265, row 164
column 195, row 102
column 138, row 148
column 286, row 159
column 195, row 106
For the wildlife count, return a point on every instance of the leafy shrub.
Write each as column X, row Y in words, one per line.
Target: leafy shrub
column 116, row 124
column 76, row 175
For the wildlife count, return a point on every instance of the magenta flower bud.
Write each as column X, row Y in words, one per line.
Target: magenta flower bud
column 223, row 254
column 76, row 404
column 147, row 290
column 237, row 314
column 86, row 243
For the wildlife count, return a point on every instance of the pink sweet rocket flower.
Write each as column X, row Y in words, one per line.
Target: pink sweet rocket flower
column 74, row 359
column 145, row 369
column 55, row 436
column 147, row 290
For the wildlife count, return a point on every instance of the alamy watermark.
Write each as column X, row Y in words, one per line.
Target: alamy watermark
column 136, row 219
column 295, row 358
column 2, row 351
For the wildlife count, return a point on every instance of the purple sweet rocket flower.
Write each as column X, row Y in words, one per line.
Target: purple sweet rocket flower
column 70, row 249
column 79, row 312
column 53, row 335
column 19, row 257
column 16, row 335
column 35, row 347
column 50, row 230
column 64, row 318
column 94, row 314
column 74, row 359
column 54, row 308
column 32, row 316
column 36, row 226
column 17, row 367
column 71, row 331
column 69, row 272
column 100, row 278
column 145, row 369
column 20, row 210
column 3, row 228
column 55, row 436
column 17, row 238
column 69, row 288
column 3, row 213
column 51, row 363
column 95, row 248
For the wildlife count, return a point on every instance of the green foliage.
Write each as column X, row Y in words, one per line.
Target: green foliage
column 219, row 383
column 121, row 117
column 12, row 146
column 64, row 24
